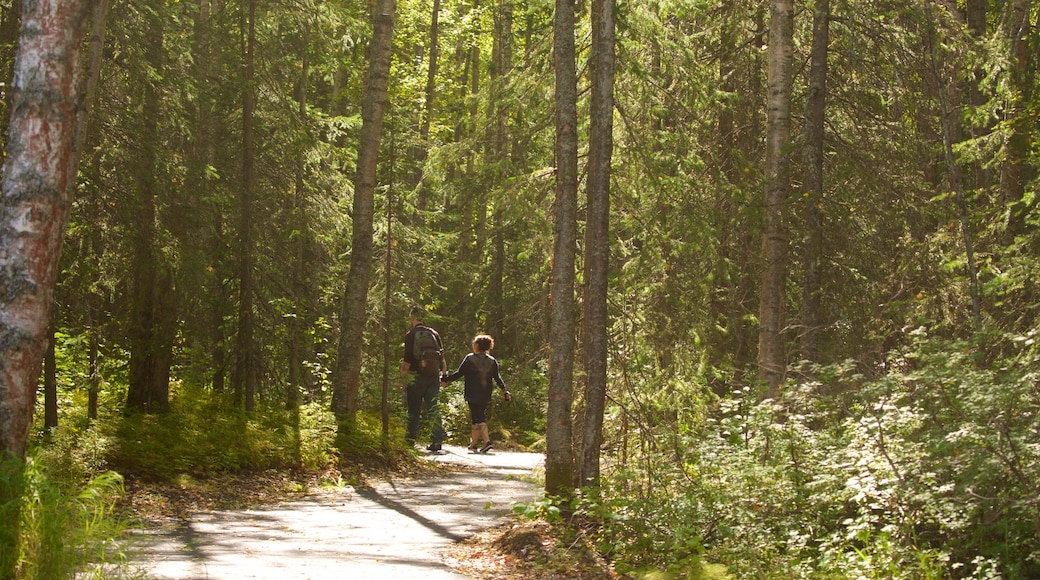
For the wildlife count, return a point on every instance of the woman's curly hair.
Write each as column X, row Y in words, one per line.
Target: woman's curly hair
column 484, row 342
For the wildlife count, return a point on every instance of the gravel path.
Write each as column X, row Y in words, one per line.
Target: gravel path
column 392, row 530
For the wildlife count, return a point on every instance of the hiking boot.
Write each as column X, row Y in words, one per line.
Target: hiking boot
column 486, row 447
column 474, row 448
column 433, row 447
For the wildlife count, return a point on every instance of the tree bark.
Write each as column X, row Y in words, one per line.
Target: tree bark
column 950, row 127
column 150, row 313
column 244, row 377
column 815, row 117
column 771, row 359
column 559, row 456
column 346, row 379
column 214, row 306
column 95, row 55
column 50, row 382
column 9, row 25
column 502, row 66
column 299, row 235
column 94, row 374
column 39, row 172
column 89, row 90
column 1022, row 64
column 423, row 148
column 388, row 319
column 597, row 235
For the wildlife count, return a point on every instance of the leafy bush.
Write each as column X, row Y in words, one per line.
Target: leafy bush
column 928, row 471
column 523, row 417
column 363, row 442
column 315, row 430
column 66, row 525
column 204, row 434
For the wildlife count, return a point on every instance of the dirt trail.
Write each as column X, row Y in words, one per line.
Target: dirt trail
column 388, row 531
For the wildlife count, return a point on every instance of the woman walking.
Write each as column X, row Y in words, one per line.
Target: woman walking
column 480, row 370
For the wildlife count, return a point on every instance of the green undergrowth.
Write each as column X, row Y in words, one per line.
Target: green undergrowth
column 928, row 470
column 72, row 516
column 64, row 525
column 588, row 522
column 205, row 434
column 202, row 435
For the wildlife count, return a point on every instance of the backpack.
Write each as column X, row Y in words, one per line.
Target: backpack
column 484, row 365
column 426, row 351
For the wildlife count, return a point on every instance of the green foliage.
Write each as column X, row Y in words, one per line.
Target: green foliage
column 455, row 415
column 928, row 471
column 547, row 509
column 524, row 415
column 313, row 429
column 362, row 441
column 621, row 535
column 205, row 434
column 12, row 485
column 65, row 525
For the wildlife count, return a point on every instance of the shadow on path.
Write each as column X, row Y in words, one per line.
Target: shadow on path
column 371, row 494
column 387, row 530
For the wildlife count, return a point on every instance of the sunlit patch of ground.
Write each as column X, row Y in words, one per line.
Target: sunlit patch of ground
column 526, row 551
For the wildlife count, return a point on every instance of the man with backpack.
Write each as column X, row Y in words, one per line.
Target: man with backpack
column 424, row 360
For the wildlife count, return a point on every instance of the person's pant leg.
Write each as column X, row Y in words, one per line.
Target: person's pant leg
column 414, row 398
column 431, row 394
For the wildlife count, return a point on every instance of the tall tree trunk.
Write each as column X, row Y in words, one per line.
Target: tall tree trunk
column 1022, row 63
column 559, row 456
column 467, row 239
column 975, row 18
column 479, row 192
column 346, row 379
column 95, row 55
column 388, row 319
column 244, row 377
column 502, row 66
column 50, row 382
column 815, row 117
column 468, row 57
column 771, row 359
column 299, row 238
column 89, row 90
column 738, row 139
column 94, row 374
column 150, row 339
column 39, row 172
column 597, row 235
column 423, row 148
column 214, row 306
column 9, row 25
column 419, row 152
column 722, row 290
column 950, row 128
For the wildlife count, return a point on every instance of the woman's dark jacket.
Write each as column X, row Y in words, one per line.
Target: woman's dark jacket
column 480, row 369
